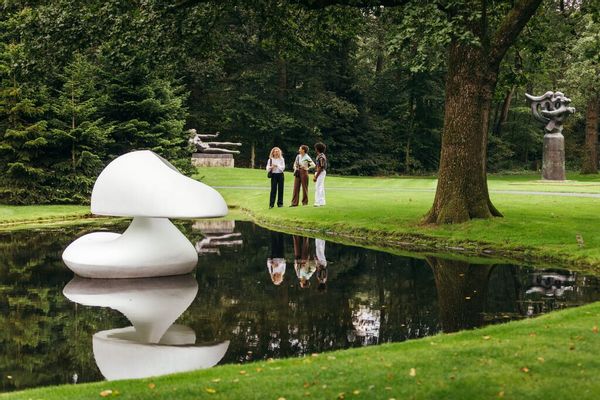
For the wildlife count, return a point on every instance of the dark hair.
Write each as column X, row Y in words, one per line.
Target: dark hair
column 320, row 147
column 305, row 148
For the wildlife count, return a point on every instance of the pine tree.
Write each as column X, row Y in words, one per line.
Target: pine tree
column 146, row 112
column 23, row 133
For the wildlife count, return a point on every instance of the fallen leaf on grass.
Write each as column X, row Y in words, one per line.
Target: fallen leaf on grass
column 501, row 394
column 341, row 396
column 487, row 337
column 106, row 393
column 152, row 385
column 595, row 329
column 356, row 391
column 281, row 398
column 258, row 369
column 242, row 372
column 210, row 390
column 413, row 372
column 216, row 380
column 525, row 369
column 533, row 334
column 541, row 359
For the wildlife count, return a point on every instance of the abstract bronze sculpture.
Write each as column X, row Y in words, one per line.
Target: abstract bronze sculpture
column 552, row 108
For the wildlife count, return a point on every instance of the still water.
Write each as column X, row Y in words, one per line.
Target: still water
column 256, row 294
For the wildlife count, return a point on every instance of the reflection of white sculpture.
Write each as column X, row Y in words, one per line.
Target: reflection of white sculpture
column 145, row 186
column 153, row 345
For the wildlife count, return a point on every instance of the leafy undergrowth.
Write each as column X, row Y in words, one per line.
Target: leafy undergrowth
column 552, row 356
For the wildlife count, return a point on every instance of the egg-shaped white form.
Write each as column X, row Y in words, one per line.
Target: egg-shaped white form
column 143, row 185
column 151, row 304
column 119, row 355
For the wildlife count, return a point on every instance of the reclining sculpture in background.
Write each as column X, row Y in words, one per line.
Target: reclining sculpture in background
column 209, row 147
column 552, row 108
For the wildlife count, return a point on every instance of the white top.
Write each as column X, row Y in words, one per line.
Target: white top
column 143, row 184
column 303, row 162
column 275, row 265
column 278, row 165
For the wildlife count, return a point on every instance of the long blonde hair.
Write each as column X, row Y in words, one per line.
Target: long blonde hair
column 273, row 150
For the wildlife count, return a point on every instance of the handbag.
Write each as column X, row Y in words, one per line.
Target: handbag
column 270, row 174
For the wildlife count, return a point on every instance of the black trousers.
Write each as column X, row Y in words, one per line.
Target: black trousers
column 276, row 190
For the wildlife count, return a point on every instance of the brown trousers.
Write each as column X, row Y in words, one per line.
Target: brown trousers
column 300, row 180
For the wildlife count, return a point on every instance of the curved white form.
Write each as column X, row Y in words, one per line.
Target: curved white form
column 119, row 355
column 153, row 345
column 149, row 247
column 143, row 185
column 151, row 305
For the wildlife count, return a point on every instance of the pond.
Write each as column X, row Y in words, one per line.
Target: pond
column 246, row 301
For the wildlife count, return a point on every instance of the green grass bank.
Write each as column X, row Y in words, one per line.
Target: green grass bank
column 542, row 221
column 553, row 356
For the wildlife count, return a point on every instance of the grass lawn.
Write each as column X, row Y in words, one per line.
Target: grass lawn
column 554, row 356
column 10, row 215
column 388, row 211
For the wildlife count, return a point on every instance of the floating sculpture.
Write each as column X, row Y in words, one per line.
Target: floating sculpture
column 154, row 345
column 210, row 154
column 143, row 185
column 210, row 147
column 552, row 109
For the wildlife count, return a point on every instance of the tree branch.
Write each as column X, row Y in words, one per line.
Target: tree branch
column 510, row 27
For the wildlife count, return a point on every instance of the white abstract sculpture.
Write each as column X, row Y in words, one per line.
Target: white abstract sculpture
column 143, row 185
column 154, row 345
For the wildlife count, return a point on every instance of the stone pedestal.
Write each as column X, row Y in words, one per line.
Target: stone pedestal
column 212, row 160
column 553, row 167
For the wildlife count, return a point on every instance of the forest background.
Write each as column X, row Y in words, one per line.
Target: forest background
column 82, row 82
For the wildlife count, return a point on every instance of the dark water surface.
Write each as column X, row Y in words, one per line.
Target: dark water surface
column 243, row 306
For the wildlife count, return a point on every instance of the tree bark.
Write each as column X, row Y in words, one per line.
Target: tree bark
column 462, row 191
column 590, row 161
column 504, row 113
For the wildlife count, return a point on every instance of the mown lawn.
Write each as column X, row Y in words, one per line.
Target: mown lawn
column 551, row 357
column 392, row 208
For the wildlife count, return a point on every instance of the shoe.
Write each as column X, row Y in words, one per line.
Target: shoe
column 270, row 207
column 294, row 205
column 279, row 205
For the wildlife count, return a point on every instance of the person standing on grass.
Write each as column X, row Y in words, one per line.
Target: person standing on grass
column 276, row 166
column 302, row 164
column 320, row 173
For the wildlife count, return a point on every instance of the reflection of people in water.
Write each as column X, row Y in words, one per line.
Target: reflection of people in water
column 304, row 266
column 321, row 264
column 276, row 261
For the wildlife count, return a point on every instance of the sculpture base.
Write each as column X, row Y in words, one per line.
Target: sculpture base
column 149, row 247
column 553, row 166
column 212, row 160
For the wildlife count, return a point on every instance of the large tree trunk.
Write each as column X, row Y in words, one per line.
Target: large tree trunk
column 462, row 191
column 590, row 161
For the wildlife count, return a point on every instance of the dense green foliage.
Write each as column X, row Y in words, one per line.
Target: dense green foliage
column 83, row 82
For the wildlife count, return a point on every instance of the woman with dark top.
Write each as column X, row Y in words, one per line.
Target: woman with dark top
column 276, row 166
column 302, row 164
column 320, row 173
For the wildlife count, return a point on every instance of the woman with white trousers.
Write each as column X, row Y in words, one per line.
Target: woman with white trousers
column 320, row 174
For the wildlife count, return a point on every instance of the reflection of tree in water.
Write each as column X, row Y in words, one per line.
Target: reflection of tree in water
column 462, row 290
column 44, row 338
